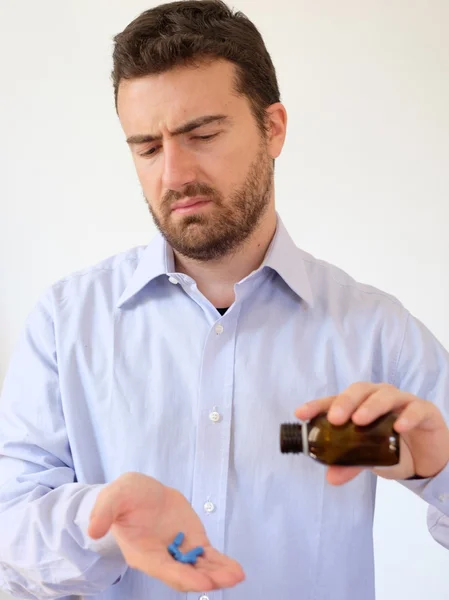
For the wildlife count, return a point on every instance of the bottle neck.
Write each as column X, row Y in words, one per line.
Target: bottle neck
column 305, row 438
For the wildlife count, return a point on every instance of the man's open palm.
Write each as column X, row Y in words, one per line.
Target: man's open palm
column 144, row 517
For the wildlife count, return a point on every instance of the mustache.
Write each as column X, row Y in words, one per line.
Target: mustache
column 189, row 191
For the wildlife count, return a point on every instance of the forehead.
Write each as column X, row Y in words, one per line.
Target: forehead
column 162, row 101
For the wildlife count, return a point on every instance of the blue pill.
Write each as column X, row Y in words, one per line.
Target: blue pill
column 198, row 551
column 179, row 539
column 192, row 555
column 187, row 558
column 174, row 551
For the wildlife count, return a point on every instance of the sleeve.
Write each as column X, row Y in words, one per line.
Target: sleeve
column 423, row 370
column 45, row 551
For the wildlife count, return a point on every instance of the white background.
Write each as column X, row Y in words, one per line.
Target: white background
column 363, row 181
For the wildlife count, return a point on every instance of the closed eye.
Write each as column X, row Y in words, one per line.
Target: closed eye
column 149, row 152
column 204, row 137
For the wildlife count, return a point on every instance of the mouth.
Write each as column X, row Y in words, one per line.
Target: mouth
column 190, row 205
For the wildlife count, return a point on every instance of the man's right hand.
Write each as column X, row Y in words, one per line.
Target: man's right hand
column 144, row 517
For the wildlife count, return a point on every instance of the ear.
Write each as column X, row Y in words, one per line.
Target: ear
column 277, row 128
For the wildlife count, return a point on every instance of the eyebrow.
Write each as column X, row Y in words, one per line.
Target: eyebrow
column 186, row 128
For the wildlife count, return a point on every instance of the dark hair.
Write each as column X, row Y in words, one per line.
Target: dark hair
column 183, row 32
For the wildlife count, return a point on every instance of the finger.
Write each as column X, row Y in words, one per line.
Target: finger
column 227, row 578
column 212, row 571
column 339, row 475
column 223, row 570
column 338, row 408
column 344, row 405
column 382, row 401
column 419, row 413
column 314, row 407
column 184, row 578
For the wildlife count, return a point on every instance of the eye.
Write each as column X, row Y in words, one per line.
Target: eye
column 204, row 137
column 150, row 151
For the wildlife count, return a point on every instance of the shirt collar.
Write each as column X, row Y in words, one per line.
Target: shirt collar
column 288, row 261
column 157, row 260
column 283, row 257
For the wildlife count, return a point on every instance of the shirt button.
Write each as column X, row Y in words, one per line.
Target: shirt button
column 173, row 280
column 219, row 329
column 209, row 506
column 203, row 597
column 214, row 416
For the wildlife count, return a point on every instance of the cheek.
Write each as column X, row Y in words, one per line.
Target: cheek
column 150, row 180
column 231, row 170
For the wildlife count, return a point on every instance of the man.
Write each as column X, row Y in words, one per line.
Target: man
column 146, row 393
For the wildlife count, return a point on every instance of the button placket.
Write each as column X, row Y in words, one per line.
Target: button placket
column 213, row 431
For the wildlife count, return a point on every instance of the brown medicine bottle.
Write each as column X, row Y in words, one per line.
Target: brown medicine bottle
column 373, row 445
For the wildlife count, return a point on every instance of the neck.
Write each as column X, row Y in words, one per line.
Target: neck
column 216, row 278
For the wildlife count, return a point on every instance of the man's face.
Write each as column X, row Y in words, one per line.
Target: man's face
column 205, row 168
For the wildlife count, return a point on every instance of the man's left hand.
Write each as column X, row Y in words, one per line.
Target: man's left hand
column 424, row 434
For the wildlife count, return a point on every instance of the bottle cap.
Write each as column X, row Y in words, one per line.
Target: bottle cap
column 291, row 437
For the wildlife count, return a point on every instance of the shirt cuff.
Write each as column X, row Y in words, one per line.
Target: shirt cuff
column 433, row 490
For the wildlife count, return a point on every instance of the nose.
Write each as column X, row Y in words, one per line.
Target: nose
column 179, row 167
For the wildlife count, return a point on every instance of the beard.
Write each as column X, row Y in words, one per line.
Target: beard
column 205, row 237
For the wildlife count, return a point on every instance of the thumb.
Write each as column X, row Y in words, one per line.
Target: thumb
column 102, row 515
column 337, row 475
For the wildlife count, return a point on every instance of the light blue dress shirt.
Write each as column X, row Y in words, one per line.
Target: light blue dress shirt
column 126, row 366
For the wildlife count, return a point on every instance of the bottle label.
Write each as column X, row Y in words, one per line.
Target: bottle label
column 305, row 439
